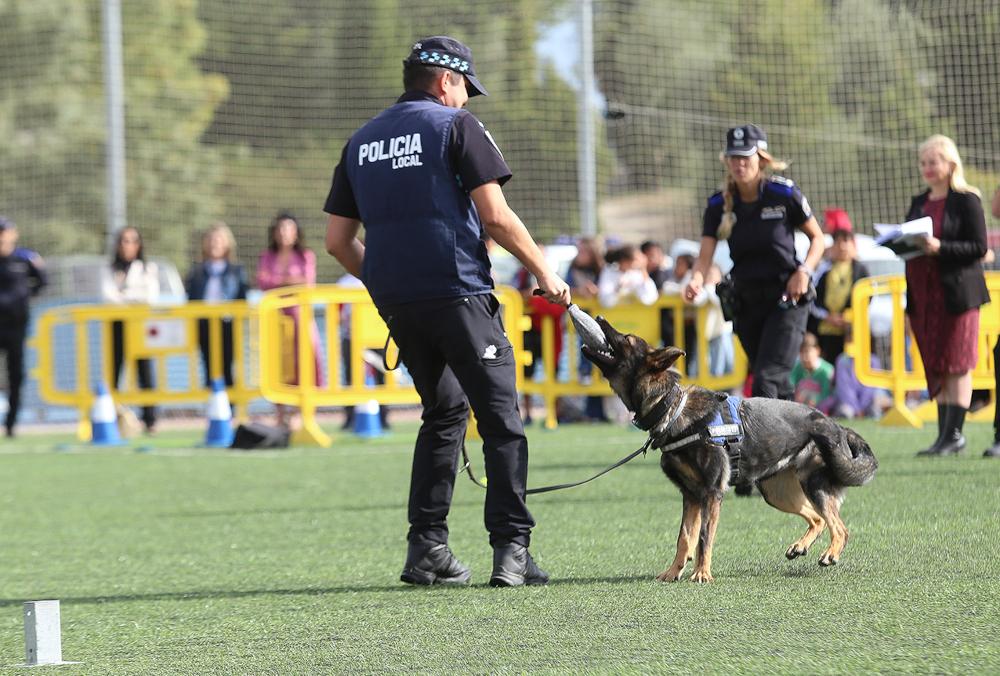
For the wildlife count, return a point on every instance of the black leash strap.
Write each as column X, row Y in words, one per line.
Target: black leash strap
column 559, row 487
column 385, row 348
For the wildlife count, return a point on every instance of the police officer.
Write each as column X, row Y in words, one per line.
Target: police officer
column 758, row 214
column 21, row 276
column 425, row 177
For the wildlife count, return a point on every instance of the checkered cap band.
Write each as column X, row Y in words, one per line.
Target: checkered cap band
column 443, row 59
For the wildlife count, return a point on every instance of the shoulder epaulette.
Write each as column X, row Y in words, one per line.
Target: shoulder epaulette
column 716, row 199
column 780, row 184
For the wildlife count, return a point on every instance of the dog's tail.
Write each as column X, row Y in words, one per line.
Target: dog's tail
column 844, row 451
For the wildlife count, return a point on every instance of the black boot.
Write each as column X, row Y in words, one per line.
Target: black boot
column 951, row 441
column 940, row 425
column 433, row 563
column 994, row 450
column 513, row 567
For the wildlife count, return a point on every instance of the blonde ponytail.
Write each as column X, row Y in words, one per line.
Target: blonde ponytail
column 728, row 217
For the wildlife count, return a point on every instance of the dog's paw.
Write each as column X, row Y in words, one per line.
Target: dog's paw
column 702, row 577
column 827, row 559
column 795, row 551
column 671, row 574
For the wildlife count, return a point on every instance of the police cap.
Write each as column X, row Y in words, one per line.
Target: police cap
column 6, row 223
column 745, row 141
column 445, row 52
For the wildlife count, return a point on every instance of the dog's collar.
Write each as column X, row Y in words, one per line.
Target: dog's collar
column 646, row 422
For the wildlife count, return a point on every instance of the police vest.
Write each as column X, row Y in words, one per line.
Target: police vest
column 422, row 232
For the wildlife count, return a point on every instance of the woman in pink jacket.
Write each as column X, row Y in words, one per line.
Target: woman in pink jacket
column 286, row 262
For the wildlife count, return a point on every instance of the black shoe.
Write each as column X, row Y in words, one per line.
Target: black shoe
column 433, row 563
column 743, row 489
column 513, row 567
column 993, row 451
column 10, row 432
column 951, row 444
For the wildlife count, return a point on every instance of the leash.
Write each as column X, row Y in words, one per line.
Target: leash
column 557, row 487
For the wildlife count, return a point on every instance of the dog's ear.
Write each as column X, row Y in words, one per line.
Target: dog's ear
column 664, row 358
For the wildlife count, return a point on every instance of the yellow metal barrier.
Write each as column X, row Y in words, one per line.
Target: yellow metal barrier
column 150, row 332
column 176, row 334
column 367, row 333
column 643, row 321
column 895, row 376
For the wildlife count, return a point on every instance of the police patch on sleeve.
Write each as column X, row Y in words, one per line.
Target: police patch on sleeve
column 806, row 209
column 489, row 137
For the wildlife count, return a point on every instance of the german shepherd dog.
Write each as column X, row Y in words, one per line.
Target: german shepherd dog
column 799, row 459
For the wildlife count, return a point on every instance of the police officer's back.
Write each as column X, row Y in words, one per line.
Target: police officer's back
column 424, row 176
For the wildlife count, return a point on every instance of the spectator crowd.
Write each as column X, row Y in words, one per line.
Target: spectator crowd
column 608, row 271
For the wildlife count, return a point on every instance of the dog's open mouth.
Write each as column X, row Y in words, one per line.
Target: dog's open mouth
column 603, row 355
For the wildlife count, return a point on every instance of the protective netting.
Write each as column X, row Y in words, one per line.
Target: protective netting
column 235, row 110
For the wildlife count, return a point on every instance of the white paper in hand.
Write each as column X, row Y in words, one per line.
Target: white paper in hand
column 906, row 239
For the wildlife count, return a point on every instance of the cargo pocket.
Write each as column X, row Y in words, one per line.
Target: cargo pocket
column 497, row 350
column 497, row 354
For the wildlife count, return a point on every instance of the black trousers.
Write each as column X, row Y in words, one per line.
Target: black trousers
column 771, row 337
column 12, row 342
column 996, row 392
column 144, row 370
column 458, row 354
column 227, row 350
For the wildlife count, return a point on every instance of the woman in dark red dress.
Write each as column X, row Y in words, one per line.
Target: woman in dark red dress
column 946, row 286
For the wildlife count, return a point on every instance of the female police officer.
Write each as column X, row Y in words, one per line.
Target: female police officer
column 759, row 214
column 424, row 177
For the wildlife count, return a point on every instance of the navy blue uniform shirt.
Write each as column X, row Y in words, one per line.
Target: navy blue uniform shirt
column 407, row 175
column 762, row 244
column 20, row 278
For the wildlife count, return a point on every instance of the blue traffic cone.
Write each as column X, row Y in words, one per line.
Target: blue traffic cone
column 103, row 419
column 220, row 417
column 367, row 422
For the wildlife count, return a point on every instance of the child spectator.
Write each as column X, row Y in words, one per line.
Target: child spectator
column 851, row 399
column 833, row 289
column 812, row 376
column 674, row 285
column 721, row 353
column 626, row 278
column 658, row 264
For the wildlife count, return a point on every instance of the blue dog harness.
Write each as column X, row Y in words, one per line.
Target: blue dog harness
column 725, row 429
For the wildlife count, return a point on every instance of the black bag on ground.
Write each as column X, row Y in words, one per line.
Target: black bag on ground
column 257, row 435
column 729, row 299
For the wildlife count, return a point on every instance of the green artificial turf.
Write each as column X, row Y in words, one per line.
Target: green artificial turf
column 190, row 561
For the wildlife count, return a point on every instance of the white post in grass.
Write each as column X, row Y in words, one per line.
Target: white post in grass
column 42, row 633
